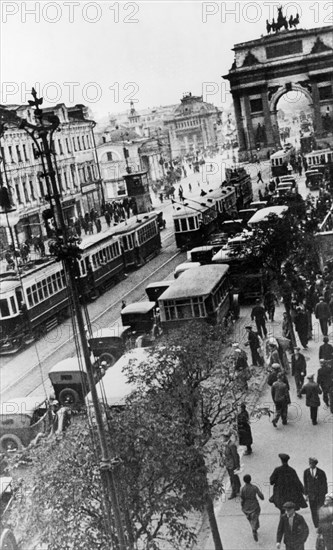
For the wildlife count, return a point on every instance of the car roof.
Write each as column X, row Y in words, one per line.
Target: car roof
column 263, row 214
column 69, row 364
column 139, row 307
column 21, row 405
column 114, row 386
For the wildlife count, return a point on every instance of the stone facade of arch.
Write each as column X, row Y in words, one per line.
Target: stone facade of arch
column 265, row 69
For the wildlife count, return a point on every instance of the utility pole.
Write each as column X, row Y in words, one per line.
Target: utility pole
column 66, row 249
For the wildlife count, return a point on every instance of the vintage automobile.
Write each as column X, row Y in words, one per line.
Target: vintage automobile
column 7, row 537
column 140, row 317
column 22, row 420
column 107, row 345
column 70, row 381
column 154, row 290
column 314, row 178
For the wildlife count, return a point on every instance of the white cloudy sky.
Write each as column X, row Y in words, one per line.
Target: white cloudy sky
column 105, row 53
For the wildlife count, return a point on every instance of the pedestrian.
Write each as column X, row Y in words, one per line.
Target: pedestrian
column 322, row 313
column 286, row 485
column 232, row 464
column 319, row 284
column 258, row 315
column 325, row 528
column 298, row 370
column 259, row 180
column 273, row 375
column 301, row 326
column 270, row 300
column 281, row 398
column 325, row 381
column 292, row 528
column 123, row 304
column 250, row 504
column 161, row 197
column 190, row 188
column 244, row 429
column 254, row 344
column 285, row 326
column 98, row 225
column 312, row 391
column 90, row 228
column 315, row 488
column 326, row 350
column 107, row 218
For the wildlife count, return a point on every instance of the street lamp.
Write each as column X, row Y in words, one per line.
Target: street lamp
column 65, row 249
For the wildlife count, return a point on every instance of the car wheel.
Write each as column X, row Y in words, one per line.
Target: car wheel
column 68, row 396
column 10, row 442
column 109, row 358
column 7, row 540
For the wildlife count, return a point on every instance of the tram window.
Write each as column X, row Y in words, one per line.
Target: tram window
column 45, row 289
column 94, row 261
column 117, row 249
column 191, row 223
column 177, row 226
column 54, row 283
column 125, row 244
column 29, row 296
column 107, row 253
column 13, row 304
column 183, row 223
column 49, row 284
column 40, row 291
column 63, row 282
column 4, row 309
column 34, row 294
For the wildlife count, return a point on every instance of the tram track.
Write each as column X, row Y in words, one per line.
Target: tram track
column 58, row 350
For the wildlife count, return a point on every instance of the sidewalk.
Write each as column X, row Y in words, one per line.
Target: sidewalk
column 299, row 438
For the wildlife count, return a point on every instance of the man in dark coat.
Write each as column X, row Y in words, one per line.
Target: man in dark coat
column 292, row 529
column 301, row 326
column 244, row 429
column 315, row 488
column 298, row 369
column 281, row 398
column 232, row 464
column 312, row 391
column 326, row 350
column 322, row 312
column 258, row 315
column 254, row 343
column 325, row 380
column 286, row 485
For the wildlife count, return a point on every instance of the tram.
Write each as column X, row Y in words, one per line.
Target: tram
column 280, row 160
column 319, row 157
column 140, row 238
column 196, row 219
column 241, row 182
column 37, row 299
column 201, row 293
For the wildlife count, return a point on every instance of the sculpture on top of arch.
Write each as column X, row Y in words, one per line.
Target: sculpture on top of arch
column 282, row 22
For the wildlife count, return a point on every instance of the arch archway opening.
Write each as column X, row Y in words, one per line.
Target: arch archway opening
column 294, row 119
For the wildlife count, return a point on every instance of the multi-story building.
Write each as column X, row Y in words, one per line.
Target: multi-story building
column 195, row 125
column 76, row 164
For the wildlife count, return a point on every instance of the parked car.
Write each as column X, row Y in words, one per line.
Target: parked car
column 21, row 420
column 69, row 380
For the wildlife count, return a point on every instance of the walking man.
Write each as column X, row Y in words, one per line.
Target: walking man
column 298, row 369
column 292, row 528
column 259, row 180
column 315, row 488
column 325, row 381
column 254, row 343
column 286, row 485
column 280, row 396
column 244, row 429
column 270, row 300
column 250, row 504
column 232, row 463
column 322, row 312
column 312, row 391
column 258, row 315
column 326, row 350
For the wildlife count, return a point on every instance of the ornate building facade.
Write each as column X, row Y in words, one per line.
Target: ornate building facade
column 77, row 170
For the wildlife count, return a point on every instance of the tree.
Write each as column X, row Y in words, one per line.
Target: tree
column 164, row 455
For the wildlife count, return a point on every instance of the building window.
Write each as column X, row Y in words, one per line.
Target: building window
column 41, row 187
column 18, row 152
column 25, row 191
column 109, row 156
column 66, row 180
column 325, row 92
column 60, row 147
column 10, row 151
column 74, row 144
column 26, row 158
column 88, row 141
column 256, row 105
column 32, row 192
column 18, row 194
column 79, row 143
column 67, row 145
column 83, row 142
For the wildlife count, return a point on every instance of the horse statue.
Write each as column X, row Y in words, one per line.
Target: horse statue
column 293, row 21
column 281, row 20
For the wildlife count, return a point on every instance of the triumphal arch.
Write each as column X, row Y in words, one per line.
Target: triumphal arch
column 264, row 69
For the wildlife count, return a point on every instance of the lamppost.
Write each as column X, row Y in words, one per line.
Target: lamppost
column 66, row 249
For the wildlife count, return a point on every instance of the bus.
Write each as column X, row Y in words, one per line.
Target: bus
column 201, row 293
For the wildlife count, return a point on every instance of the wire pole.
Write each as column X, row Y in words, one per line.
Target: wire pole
column 68, row 252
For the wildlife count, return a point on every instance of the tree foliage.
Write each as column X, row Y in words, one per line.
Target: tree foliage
column 164, row 458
